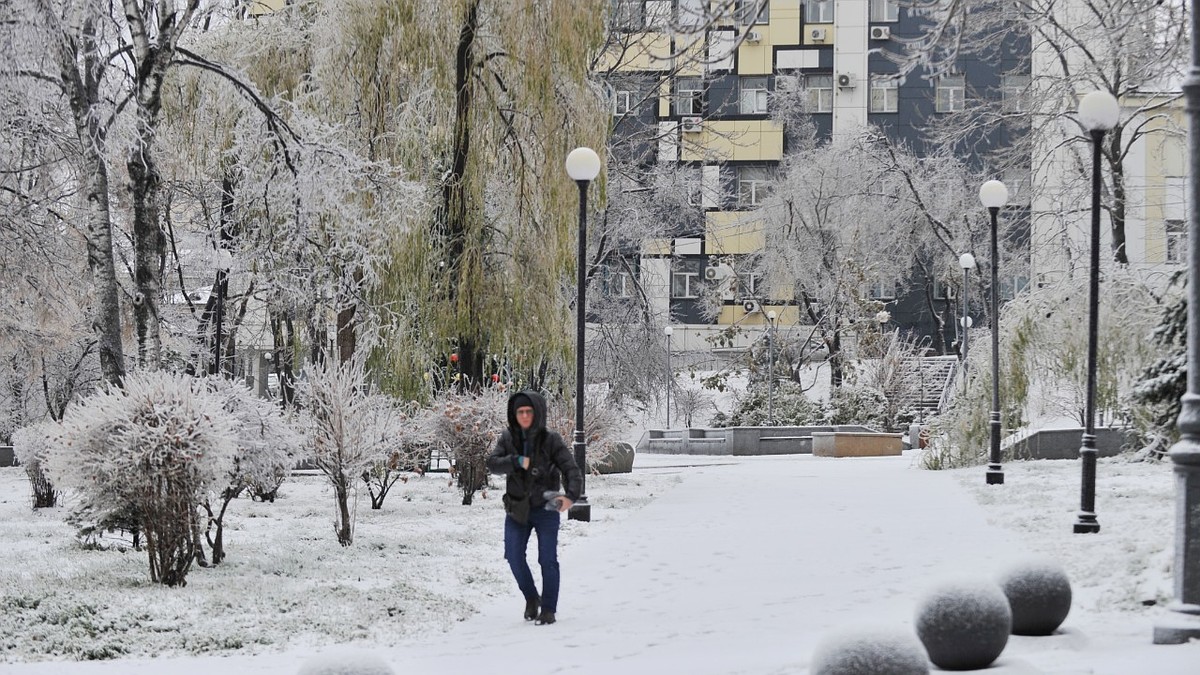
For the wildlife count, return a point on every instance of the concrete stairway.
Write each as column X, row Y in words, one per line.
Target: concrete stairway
column 925, row 384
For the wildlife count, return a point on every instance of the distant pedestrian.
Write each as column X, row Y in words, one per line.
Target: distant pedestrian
column 535, row 459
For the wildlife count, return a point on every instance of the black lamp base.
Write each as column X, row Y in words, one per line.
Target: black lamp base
column 581, row 511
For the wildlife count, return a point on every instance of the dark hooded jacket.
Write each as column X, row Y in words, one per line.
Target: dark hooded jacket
column 549, row 461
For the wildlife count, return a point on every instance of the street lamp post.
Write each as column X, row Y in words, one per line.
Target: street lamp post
column 583, row 165
column 993, row 195
column 1184, row 622
column 1098, row 112
column 770, row 369
column 670, row 376
column 967, row 262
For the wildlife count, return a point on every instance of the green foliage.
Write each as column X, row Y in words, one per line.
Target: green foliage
column 858, row 405
column 789, row 406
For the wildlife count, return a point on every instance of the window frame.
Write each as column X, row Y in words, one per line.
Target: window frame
column 761, row 98
column 883, row 11
column 1014, row 96
column 892, row 95
column 819, row 11
column 950, row 84
column 691, row 282
column 1175, row 241
column 819, row 93
column 759, row 187
column 629, row 16
column 742, row 12
column 630, row 97
column 878, row 288
column 696, row 99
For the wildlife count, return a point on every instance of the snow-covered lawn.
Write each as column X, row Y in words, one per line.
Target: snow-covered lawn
column 419, row 565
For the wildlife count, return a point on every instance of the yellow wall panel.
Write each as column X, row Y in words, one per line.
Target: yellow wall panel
column 638, row 51
column 785, row 22
column 735, row 140
column 733, row 232
column 656, row 247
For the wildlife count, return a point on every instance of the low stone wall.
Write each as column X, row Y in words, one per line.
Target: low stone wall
column 618, row 459
column 742, row 441
column 855, row 444
column 1064, row 443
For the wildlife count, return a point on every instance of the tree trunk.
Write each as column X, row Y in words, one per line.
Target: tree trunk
column 341, row 490
column 283, row 338
column 347, row 324
column 1119, row 201
column 150, row 250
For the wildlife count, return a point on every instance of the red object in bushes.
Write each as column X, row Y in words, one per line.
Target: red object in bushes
column 454, row 358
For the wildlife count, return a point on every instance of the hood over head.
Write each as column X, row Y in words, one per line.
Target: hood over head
column 530, row 398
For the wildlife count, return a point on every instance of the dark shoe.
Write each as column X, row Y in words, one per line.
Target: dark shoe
column 545, row 618
column 531, row 608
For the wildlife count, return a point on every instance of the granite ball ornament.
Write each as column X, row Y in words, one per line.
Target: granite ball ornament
column 878, row 651
column 1039, row 594
column 964, row 625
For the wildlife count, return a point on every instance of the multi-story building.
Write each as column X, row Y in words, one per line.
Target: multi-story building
column 696, row 92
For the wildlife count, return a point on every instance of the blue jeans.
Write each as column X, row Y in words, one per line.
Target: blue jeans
column 516, row 541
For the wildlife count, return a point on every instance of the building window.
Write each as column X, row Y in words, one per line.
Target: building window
column 753, row 98
column 617, row 283
column 818, row 11
column 820, row 93
column 1177, row 242
column 624, row 101
column 1011, row 286
column 885, row 11
column 629, row 15
column 884, row 95
column 1019, row 186
column 754, row 184
column 745, row 11
column 685, row 282
column 747, row 284
column 689, row 96
column 881, row 289
column 1015, row 91
column 942, row 290
column 658, row 14
column 951, row 93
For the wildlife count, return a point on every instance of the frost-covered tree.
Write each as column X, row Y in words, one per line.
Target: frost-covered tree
column 267, row 448
column 31, row 444
column 349, row 431
column 467, row 424
column 152, row 448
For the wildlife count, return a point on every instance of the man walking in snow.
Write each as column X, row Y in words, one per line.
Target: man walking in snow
column 535, row 459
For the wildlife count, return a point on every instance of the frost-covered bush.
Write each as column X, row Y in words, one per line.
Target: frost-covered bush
column 346, row 661
column 964, row 625
column 153, row 448
column 788, row 403
column 266, row 450
column 858, row 405
column 468, row 424
column 1039, row 594
column 871, row 650
column 604, row 425
column 348, row 431
column 31, row 444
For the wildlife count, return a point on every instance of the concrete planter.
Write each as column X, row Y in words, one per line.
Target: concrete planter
column 7, row 456
column 855, row 444
column 618, row 459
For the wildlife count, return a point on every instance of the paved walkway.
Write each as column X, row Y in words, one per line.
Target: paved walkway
column 741, row 568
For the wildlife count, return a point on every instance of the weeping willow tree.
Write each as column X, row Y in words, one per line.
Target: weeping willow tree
column 485, row 98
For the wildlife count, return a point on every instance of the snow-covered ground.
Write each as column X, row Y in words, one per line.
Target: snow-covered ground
column 692, row 564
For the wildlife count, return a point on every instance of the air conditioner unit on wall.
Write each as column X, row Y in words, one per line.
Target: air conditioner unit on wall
column 880, row 32
column 816, row 34
column 691, row 124
column 753, row 36
column 711, row 273
column 845, row 80
column 750, row 306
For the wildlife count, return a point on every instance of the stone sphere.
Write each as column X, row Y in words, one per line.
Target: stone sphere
column 876, row 651
column 346, row 661
column 964, row 625
column 1039, row 594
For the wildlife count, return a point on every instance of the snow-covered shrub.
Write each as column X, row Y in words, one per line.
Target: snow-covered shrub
column 1158, row 393
column 604, row 425
column 31, row 444
column 346, row 661
column 789, row 406
column 154, row 448
column 407, row 455
column 349, row 430
column 1039, row 594
column 468, row 424
column 964, row 625
column 266, row 449
column 871, row 650
column 850, row 404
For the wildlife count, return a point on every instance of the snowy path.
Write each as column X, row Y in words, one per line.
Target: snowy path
column 742, row 568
